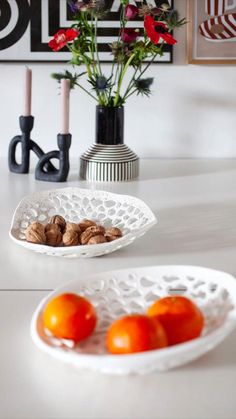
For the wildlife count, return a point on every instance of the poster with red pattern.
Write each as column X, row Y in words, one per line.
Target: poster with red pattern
column 212, row 31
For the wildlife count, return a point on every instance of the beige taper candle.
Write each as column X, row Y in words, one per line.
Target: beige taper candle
column 27, row 92
column 65, row 105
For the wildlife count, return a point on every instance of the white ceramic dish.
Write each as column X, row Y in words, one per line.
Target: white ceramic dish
column 130, row 214
column 133, row 290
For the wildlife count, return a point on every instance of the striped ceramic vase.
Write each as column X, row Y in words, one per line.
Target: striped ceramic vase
column 109, row 159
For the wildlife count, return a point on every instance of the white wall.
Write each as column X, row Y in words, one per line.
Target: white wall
column 190, row 114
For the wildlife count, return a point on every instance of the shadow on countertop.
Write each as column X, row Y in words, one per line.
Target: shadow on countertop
column 200, row 227
column 167, row 168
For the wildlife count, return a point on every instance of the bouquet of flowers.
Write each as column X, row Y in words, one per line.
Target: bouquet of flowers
column 135, row 48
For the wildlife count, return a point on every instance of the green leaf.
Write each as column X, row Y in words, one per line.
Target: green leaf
column 67, row 75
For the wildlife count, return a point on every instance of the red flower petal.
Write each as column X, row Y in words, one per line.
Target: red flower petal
column 168, row 38
column 60, row 32
column 61, row 38
column 151, row 26
column 129, row 35
column 131, row 11
column 52, row 44
column 148, row 21
column 55, row 46
column 71, row 34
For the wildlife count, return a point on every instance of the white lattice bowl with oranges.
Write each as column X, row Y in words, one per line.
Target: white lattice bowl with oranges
column 121, row 292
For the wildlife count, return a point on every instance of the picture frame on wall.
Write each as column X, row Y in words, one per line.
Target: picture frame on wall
column 211, row 31
column 26, row 26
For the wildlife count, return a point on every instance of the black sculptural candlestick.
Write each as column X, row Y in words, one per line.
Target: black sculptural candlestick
column 44, row 169
column 63, row 141
column 26, row 126
column 60, row 174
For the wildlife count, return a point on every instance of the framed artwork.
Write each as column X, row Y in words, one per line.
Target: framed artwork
column 26, row 26
column 211, row 31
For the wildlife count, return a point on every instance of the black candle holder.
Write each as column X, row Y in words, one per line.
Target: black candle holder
column 60, row 174
column 26, row 126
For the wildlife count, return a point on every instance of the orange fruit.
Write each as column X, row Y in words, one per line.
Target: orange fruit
column 135, row 333
column 180, row 317
column 70, row 316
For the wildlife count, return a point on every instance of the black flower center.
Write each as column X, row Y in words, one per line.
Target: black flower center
column 160, row 29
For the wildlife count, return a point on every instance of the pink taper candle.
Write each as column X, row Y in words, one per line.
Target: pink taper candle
column 27, row 92
column 65, row 105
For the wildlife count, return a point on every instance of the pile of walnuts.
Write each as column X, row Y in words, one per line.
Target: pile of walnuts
column 58, row 232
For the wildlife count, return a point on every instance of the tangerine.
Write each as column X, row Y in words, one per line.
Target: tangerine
column 70, row 316
column 180, row 317
column 135, row 333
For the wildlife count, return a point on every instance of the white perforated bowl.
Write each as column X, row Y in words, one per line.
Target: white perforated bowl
column 128, row 213
column 131, row 291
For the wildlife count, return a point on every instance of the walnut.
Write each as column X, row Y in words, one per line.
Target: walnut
column 97, row 239
column 90, row 232
column 84, row 224
column 51, row 226
column 59, row 220
column 110, row 238
column 70, row 238
column 73, row 226
column 53, row 237
column 113, row 233
column 35, row 233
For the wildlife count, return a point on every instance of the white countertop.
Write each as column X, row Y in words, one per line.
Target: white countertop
column 195, row 203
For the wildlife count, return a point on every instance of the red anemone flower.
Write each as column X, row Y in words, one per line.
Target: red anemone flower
column 156, row 30
column 131, row 11
column 61, row 38
column 129, row 35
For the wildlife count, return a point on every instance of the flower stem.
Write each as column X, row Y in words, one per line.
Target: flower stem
column 96, row 46
column 121, row 79
column 86, row 91
column 130, row 85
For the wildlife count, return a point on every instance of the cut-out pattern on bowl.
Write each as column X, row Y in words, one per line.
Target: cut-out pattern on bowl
column 127, row 291
column 128, row 213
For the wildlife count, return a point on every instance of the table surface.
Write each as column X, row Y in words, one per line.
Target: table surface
column 195, row 203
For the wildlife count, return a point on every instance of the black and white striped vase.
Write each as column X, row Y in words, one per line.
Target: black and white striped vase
column 109, row 159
